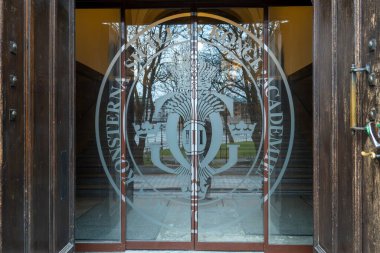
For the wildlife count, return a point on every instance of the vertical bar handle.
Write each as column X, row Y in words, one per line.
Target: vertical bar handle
column 353, row 96
column 353, row 92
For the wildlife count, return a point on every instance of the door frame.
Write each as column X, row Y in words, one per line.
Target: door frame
column 346, row 196
column 37, row 141
column 123, row 245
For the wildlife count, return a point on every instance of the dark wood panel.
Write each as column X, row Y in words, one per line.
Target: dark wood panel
column 63, row 179
column 370, row 26
column 350, row 223
column 39, row 181
column 12, row 167
column 344, row 56
column 323, row 171
column 49, row 115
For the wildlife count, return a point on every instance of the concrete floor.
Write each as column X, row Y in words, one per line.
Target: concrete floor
column 224, row 217
column 232, row 219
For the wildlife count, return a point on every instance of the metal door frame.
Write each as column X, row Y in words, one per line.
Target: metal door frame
column 194, row 244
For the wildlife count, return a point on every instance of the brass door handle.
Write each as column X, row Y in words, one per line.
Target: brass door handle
column 353, row 97
column 353, row 90
column 371, row 154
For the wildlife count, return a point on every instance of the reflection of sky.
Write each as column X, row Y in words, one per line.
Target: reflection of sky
column 230, row 79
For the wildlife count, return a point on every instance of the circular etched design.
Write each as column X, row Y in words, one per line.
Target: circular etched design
column 177, row 105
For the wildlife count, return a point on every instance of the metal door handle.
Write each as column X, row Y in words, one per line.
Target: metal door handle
column 372, row 130
column 373, row 134
column 353, row 100
column 353, row 93
column 371, row 154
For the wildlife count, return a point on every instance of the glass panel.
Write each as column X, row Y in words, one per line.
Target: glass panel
column 97, row 207
column 158, row 108
column 290, row 126
column 141, row 98
column 230, row 126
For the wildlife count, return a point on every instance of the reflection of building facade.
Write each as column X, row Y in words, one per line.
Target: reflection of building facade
column 241, row 112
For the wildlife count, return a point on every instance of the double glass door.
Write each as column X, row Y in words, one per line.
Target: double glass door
column 194, row 120
column 194, row 130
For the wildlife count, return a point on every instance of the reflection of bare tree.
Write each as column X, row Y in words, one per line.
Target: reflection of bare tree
column 237, row 72
column 149, row 71
column 240, row 68
column 240, row 63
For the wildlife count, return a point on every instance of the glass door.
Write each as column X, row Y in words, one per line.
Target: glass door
column 194, row 121
column 157, row 138
column 230, row 112
column 195, row 129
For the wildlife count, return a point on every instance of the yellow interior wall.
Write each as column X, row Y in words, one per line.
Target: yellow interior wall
column 148, row 16
column 145, row 16
column 297, row 35
column 246, row 15
column 93, row 36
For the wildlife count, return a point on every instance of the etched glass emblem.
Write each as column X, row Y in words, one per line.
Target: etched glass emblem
column 192, row 113
column 177, row 105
